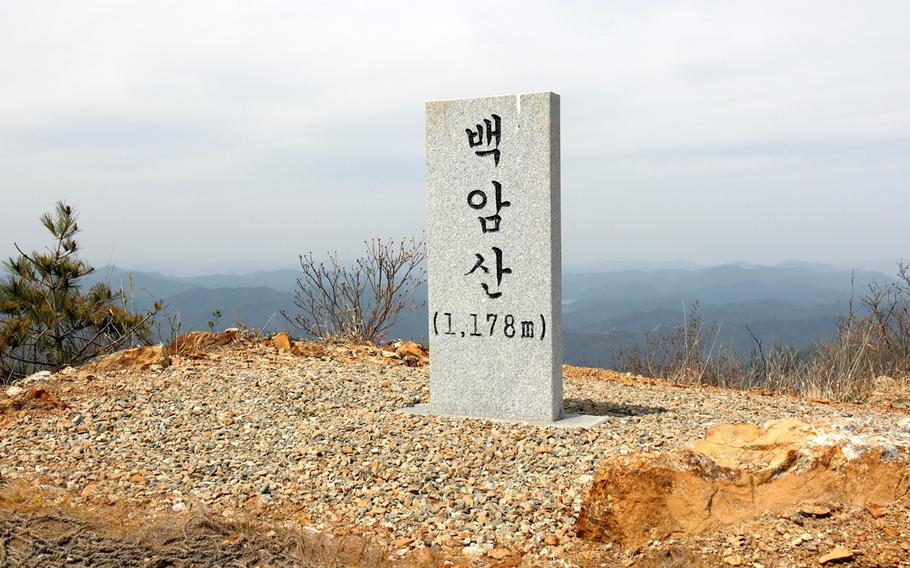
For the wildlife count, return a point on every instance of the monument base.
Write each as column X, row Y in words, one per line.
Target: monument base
column 567, row 421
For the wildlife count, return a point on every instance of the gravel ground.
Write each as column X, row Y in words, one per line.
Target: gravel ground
column 310, row 441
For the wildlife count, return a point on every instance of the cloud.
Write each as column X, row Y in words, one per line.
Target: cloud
column 257, row 130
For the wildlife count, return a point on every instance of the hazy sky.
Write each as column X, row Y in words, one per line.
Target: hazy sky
column 198, row 135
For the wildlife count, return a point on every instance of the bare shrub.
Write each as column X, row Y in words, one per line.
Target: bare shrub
column 888, row 323
column 865, row 347
column 359, row 302
column 843, row 367
column 688, row 355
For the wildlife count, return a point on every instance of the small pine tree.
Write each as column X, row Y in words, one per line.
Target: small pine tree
column 46, row 322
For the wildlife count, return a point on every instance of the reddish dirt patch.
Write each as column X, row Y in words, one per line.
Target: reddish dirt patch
column 736, row 473
column 36, row 400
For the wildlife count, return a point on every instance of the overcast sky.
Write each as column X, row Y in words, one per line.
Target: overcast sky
column 194, row 136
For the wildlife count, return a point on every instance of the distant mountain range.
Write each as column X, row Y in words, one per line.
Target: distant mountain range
column 886, row 266
column 604, row 310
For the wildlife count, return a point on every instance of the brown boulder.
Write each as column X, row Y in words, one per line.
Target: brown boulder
column 737, row 472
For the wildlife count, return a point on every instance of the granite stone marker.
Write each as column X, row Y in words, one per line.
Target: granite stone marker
column 493, row 234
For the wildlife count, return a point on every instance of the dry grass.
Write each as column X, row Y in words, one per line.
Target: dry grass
column 679, row 556
column 868, row 344
column 40, row 528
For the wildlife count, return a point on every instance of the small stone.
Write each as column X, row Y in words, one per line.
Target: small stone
column 178, row 507
column 402, row 542
column 835, row 555
column 39, row 376
column 425, row 557
column 411, row 349
column 876, row 510
column 14, row 391
column 809, row 510
column 551, row 540
column 734, row 560
column 499, row 553
column 281, row 341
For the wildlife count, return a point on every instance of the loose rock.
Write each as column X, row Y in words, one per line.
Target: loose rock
column 835, row 555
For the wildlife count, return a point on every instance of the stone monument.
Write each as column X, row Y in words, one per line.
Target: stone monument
column 493, row 237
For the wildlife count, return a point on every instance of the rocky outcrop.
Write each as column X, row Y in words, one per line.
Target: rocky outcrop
column 740, row 471
column 196, row 342
column 136, row 359
column 159, row 356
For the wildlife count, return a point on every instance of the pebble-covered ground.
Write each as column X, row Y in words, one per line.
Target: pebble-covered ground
column 310, row 441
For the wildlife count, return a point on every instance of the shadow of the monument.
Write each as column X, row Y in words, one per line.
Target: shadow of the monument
column 603, row 408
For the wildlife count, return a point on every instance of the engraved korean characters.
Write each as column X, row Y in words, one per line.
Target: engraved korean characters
column 488, row 136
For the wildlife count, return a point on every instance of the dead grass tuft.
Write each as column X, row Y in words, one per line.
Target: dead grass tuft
column 40, row 528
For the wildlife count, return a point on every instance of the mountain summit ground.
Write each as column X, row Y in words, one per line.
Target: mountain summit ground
column 232, row 451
